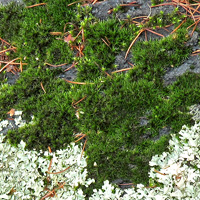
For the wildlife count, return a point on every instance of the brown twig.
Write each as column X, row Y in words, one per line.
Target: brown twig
column 83, row 148
column 178, row 26
column 5, row 41
column 8, row 64
column 55, row 65
column 154, row 32
column 122, row 70
column 79, row 83
column 21, row 66
column 43, row 87
column 133, row 43
column 59, row 171
column 13, row 63
column 3, row 51
column 73, row 65
column 51, row 193
column 105, row 42
column 56, row 33
column 50, row 164
column 79, row 101
column 74, row 3
column 39, row 4
column 159, row 172
column 82, row 136
column 134, row 3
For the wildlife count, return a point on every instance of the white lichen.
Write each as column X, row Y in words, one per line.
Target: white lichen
column 25, row 172
column 173, row 175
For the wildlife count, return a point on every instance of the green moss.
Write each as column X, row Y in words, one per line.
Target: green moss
column 156, row 2
column 152, row 58
column 58, row 53
column 192, row 67
column 100, row 52
column 27, row 95
column 111, row 113
column 110, row 119
column 10, row 19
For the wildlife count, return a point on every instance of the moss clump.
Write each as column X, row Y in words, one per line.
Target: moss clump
column 28, row 96
column 11, row 19
column 154, row 57
column 104, row 40
column 163, row 19
column 111, row 116
column 156, row 2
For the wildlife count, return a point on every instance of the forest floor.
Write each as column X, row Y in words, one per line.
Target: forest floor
column 123, row 98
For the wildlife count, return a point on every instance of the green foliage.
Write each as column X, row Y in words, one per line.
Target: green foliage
column 7, row 99
column 163, row 19
column 35, row 40
column 11, row 18
column 156, row 2
column 153, row 57
column 111, row 116
column 184, row 91
column 111, row 113
column 97, row 53
column 33, row 101
column 143, row 153
column 58, row 53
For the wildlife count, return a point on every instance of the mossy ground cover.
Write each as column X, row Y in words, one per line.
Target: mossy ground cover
column 113, row 105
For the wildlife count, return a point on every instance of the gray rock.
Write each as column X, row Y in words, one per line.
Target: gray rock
column 143, row 121
column 70, row 74
column 100, row 9
column 164, row 131
column 190, row 65
column 6, row 2
column 12, row 78
column 123, row 184
column 121, row 62
column 193, row 40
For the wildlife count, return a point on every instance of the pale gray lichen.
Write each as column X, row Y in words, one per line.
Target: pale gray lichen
column 24, row 172
column 195, row 111
column 14, row 122
column 173, row 175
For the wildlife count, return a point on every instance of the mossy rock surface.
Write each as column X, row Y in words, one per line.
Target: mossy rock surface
column 127, row 116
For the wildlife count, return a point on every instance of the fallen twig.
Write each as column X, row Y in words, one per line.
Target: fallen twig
column 8, row 64
column 42, row 87
column 39, row 4
column 79, row 83
column 55, row 65
column 122, row 70
column 3, row 51
column 59, row 171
